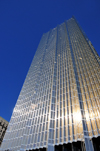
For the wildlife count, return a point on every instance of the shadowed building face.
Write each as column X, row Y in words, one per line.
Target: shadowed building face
column 3, row 127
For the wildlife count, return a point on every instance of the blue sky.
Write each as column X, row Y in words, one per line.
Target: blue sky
column 22, row 23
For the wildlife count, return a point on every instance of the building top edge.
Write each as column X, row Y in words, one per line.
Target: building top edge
column 3, row 119
column 59, row 24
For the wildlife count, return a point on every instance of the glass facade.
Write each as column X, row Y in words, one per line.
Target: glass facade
column 60, row 99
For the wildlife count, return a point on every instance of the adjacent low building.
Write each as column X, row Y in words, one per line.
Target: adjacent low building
column 3, row 127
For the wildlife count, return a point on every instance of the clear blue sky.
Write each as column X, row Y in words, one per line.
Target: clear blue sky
column 22, row 23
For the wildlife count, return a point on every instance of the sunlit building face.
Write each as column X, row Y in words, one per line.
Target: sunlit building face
column 59, row 104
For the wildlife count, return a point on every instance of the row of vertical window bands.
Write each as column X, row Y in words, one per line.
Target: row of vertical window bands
column 74, row 103
column 69, row 136
column 74, row 106
column 91, row 55
column 38, row 120
column 88, row 119
column 10, row 137
column 54, row 100
column 75, row 81
column 83, row 68
column 60, row 76
column 73, row 87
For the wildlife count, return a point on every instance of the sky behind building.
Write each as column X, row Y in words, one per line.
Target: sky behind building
column 22, row 24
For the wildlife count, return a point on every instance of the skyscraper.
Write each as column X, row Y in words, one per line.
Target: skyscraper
column 59, row 105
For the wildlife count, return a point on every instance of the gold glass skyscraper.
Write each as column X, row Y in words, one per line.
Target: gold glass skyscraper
column 59, row 105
